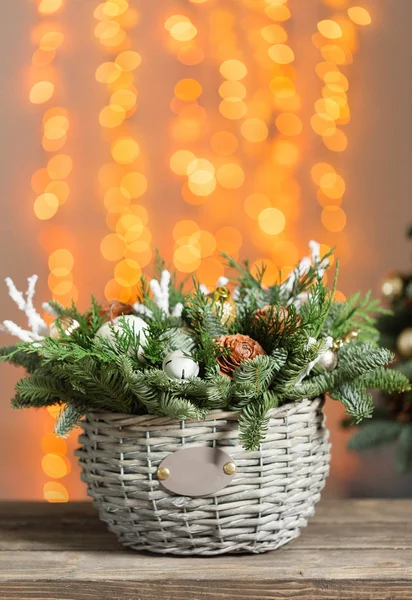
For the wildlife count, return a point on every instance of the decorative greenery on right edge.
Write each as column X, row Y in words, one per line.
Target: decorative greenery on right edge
column 245, row 347
column 392, row 418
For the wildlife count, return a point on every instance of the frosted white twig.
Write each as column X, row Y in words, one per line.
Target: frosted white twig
column 161, row 291
column 48, row 308
column 24, row 302
column 320, row 265
column 141, row 309
column 17, row 331
column 177, row 310
column 302, row 268
column 204, row 289
column 222, row 281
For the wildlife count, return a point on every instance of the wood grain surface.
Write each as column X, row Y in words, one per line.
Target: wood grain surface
column 351, row 550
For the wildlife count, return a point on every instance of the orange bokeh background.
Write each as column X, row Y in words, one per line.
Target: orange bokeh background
column 197, row 126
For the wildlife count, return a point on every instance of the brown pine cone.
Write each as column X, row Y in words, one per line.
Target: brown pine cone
column 277, row 315
column 241, row 347
column 114, row 309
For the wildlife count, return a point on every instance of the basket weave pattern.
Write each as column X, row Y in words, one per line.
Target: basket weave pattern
column 265, row 506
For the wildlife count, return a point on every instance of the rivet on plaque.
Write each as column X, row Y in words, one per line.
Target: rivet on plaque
column 163, row 473
column 230, row 468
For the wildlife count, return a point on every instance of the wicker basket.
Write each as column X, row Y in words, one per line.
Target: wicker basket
column 265, row 505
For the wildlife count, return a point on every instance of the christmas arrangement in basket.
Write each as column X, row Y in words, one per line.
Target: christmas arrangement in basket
column 203, row 430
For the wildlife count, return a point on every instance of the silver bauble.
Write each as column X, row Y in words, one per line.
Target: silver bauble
column 329, row 360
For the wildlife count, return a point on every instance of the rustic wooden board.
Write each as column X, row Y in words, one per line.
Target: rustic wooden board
column 351, row 550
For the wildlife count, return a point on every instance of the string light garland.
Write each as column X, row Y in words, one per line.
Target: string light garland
column 51, row 190
column 122, row 182
column 337, row 41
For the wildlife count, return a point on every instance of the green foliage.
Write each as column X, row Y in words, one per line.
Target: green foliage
column 404, row 449
column 374, row 433
column 85, row 372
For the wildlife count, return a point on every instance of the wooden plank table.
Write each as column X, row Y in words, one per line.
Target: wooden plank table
column 352, row 549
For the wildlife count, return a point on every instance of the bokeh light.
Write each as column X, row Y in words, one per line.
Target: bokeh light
column 41, row 92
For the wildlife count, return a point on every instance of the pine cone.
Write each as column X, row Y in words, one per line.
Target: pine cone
column 115, row 309
column 276, row 315
column 241, row 347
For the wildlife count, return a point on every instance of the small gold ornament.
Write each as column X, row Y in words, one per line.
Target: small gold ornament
column 230, row 468
column 163, row 473
column 404, row 343
column 63, row 327
column 392, row 286
column 224, row 307
column 329, row 360
column 351, row 336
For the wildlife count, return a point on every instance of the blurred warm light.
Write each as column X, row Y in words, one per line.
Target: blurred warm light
column 56, row 127
column 113, row 247
column 272, row 221
column 46, row 206
column 42, row 58
column 289, row 124
column 188, row 89
column 51, row 40
column 281, row 54
column 133, row 184
column 61, row 262
column 333, row 218
column 55, row 466
column 48, row 7
column 229, row 240
column 128, row 60
column 52, row 444
column 274, row 34
column 224, row 143
column 54, row 491
column 255, row 204
column 125, row 99
column 332, row 185
column 337, row 142
column 319, row 170
column 282, row 87
column 187, row 258
column 116, row 200
column 230, row 176
column 60, row 189
column 112, row 116
column 285, row 153
column 41, row 92
column 108, row 72
column 233, row 109
column 359, row 15
column 127, row 272
column 233, row 69
column 330, row 29
column 323, row 124
column 125, row 150
column 183, row 31
column 254, row 130
column 59, row 167
column 232, row 90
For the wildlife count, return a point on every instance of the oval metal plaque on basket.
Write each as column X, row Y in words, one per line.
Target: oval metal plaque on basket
column 196, row 471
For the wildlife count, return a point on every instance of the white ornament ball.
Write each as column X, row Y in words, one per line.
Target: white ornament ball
column 135, row 323
column 177, row 365
column 329, row 360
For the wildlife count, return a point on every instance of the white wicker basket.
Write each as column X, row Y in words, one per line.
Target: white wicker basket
column 265, row 506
